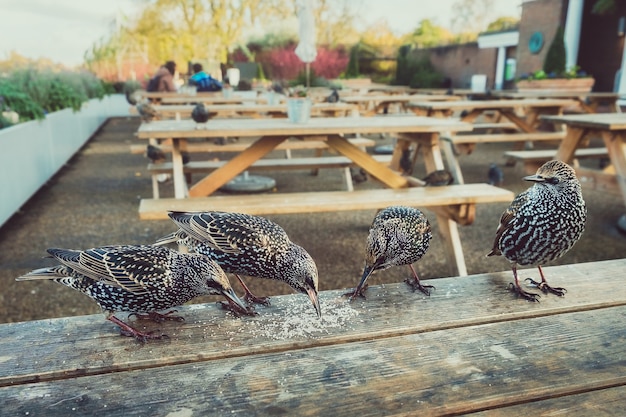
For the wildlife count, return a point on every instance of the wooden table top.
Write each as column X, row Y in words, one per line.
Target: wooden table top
column 250, row 107
column 490, row 104
column 163, row 129
column 398, row 98
column 555, row 94
column 471, row 346
column 604, row 121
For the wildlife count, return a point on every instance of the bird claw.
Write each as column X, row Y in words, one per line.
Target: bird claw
column 140, row 336
column 416, row 285
column 236, row 310
column 354, row 293
column 158, row 317
column 253, row 299
column 529, row 296
column 543, row 286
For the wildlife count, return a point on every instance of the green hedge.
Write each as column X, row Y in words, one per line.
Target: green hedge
column 32, row 93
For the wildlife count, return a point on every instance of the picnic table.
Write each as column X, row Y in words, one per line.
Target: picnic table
column 452, row 205
column 371, row 104
column 253, row 110
column 588, row 102
column 611, row 127
column 471, row 347
column 523, row 114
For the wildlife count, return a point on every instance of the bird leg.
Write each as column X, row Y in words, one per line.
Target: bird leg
column 157, row 317
column 237, row 310
column 516, row 288
column 251, row 298
column 543, row 285
column 415, row 283
column 127, row 330
column 357, row 293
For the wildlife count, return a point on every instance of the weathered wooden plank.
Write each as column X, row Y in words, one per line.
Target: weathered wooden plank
column 242, row 145
column 165, row 129
column 270, row 164
column 606, row 402
column 506, row 137
column 455, row 372
column 321, row 201
column 86, row 345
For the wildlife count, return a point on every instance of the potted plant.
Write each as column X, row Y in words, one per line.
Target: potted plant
column 299, row 105
column 554, row 76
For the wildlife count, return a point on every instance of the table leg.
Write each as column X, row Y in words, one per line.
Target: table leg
column 379, row 171
column 616, row 145
column 180, row 185
column 235, row 166
column 570, row 143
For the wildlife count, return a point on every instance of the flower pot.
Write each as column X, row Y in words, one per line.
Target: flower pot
column 299, row 110
column 582, row 85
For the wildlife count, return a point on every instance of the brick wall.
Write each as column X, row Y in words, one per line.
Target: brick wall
column 460, row 62
column 538, row 16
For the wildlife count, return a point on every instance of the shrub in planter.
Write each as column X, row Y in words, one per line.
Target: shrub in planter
column 20, row 102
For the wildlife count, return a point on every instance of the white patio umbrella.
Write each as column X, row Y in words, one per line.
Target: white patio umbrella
column 306, row 50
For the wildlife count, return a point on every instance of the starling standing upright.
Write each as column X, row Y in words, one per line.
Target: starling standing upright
column 495, row 175
column 138, row 279
column 398, row 236
column 200, row 114
column 333, row 97
column 542, row 223
column 247, row 245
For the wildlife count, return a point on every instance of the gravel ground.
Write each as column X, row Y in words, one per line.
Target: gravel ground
column 93, row 201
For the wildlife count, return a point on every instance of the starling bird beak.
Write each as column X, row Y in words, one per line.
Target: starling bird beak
column 232, row 298
column 315, row 300
column 534, row 178
column 366, row 274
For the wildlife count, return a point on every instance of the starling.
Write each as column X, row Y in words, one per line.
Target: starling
column 155, row 154
column 542, row 224
column 200, row 114
column 131, row 97
column 247, row 245
column 438, row 178
column 398, row 236
column 495, row 174
column 147, row 112
column 140, row 279
column 406, row 163
column 333, row 97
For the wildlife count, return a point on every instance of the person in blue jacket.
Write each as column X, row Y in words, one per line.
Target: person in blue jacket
column 202, row 80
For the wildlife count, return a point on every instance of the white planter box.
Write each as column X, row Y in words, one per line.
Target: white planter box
column 34, row 151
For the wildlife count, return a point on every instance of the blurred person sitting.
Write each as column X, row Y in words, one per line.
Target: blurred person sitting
column 203, row 81
column 163, row 80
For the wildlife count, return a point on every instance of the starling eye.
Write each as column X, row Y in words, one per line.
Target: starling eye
column 552, row 180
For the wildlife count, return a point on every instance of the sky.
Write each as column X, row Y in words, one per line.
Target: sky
column 62, row 30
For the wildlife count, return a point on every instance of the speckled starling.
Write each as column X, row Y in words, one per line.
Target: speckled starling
column 398, row 236
column 495, row 176
column 248, row 245
column 542, row 224
column 438, row 178
column 141, row 279
column 147, row 112
column 200, row 114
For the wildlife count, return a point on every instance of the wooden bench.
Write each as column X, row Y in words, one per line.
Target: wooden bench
column 471, row 347
column 270, row 164
column 495, row 126
column 533, row 159
column 456, row 198
column 239, row 146
column 467, row 143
